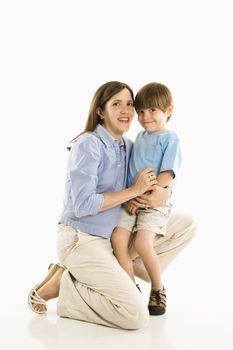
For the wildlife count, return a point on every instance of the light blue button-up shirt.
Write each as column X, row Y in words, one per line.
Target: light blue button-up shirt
column 97, row 164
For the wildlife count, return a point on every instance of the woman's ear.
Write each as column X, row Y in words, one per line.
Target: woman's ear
column 99, row 113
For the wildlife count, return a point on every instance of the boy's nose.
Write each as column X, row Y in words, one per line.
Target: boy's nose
column 145, row 115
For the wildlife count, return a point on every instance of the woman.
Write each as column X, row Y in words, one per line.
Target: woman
column 91, row 284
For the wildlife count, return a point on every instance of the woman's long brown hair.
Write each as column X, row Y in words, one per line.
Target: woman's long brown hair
column 104, row 93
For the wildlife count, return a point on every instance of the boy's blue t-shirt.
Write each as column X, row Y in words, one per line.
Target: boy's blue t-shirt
column 158, row 149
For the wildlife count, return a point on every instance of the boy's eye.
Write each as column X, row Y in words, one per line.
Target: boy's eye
column 152, row 109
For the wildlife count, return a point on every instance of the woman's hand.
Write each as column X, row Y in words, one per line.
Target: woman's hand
column 150, row 199
column 145, row 181
column 155, row 198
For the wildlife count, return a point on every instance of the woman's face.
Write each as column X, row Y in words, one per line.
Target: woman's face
column 118, row 113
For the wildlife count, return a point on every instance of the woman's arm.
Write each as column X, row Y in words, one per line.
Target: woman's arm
column 83, row 179
column 142, row 184
column 151, row 199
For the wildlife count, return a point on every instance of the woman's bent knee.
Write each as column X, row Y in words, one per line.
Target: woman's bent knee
column 138, row 317
column 141, row 321
column 191, row 225
column 184, row 225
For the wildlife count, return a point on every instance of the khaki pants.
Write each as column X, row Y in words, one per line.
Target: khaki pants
column 94, row 287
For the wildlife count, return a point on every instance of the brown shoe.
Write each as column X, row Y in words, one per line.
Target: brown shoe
column 157, row 302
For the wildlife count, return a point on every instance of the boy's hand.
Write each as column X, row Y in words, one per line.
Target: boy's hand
column 132, row 206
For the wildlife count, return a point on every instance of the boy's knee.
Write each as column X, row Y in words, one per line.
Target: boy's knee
column 119, row 235
column 142, row 246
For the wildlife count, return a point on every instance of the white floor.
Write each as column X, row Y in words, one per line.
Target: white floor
column 199, row 315
column 185, row 327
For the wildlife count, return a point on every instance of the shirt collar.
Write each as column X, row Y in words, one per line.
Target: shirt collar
column 106, row 137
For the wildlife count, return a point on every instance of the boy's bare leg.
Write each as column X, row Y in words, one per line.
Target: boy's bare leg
column 144, row 246
column 120, row 245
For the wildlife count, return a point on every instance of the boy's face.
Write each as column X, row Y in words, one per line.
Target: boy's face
column 153, row 119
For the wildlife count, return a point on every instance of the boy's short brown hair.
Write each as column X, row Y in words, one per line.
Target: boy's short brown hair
column 153, row 95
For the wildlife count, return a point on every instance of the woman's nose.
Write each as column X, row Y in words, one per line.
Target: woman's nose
column 125, row 109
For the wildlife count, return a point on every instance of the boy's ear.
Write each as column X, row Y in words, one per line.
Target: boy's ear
column 170, row 110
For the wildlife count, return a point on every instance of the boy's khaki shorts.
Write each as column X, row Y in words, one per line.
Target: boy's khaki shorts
column 151, row 219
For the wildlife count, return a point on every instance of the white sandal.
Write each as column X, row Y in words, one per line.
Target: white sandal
column 33, row 296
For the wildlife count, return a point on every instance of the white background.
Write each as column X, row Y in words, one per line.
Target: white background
column 54, row 55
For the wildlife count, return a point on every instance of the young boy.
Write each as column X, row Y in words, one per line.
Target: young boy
column 158, row 148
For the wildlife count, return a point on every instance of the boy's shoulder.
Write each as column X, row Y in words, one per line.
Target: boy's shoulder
column 171, row 135
column 165, row 135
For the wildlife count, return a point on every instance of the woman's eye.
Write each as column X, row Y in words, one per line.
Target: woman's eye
column 116, row 104
column 130, row 104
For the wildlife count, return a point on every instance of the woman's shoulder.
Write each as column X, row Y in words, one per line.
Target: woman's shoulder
column 87, row 138
column 86, row 143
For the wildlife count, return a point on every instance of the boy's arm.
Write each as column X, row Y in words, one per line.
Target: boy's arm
column 164, row 178
column 152, row 199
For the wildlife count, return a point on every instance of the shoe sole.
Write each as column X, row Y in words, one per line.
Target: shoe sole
column 156, row 312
